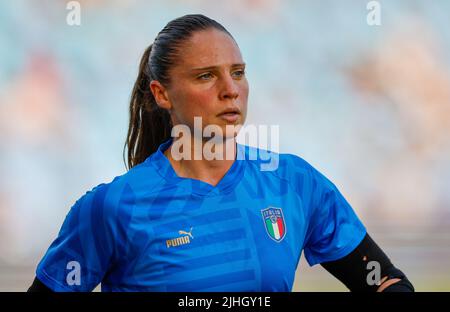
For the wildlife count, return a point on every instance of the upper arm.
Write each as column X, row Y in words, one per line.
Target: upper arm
column 79, row 257
column 334, row 229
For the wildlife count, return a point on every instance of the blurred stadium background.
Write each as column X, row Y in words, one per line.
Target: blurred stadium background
column 369, row 106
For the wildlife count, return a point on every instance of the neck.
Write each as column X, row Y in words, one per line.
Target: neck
column 207, row 162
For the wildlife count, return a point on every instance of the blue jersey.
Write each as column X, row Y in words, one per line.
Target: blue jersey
column 151, row 230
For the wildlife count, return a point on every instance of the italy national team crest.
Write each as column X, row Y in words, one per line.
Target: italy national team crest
column 274, row 223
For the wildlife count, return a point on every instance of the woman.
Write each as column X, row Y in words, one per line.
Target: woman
column 176, row 223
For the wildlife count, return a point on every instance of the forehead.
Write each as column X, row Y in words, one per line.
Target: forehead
column 208, row 48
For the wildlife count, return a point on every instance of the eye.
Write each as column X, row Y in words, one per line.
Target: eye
column 205, row 76
column 239, row 73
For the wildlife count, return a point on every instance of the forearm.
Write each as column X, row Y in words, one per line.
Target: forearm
column 38, row 286
column 352, row 270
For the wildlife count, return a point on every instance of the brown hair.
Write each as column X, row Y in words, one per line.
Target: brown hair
column 150, row 125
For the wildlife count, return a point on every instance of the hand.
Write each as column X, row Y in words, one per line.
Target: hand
column 385, row 283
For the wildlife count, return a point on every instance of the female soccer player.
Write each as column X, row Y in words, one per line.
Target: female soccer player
column 198, row 224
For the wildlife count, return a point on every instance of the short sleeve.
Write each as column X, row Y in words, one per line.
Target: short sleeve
column 334, row 230
column 79, row 257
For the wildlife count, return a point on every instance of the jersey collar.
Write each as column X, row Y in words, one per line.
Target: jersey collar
column 225, row 185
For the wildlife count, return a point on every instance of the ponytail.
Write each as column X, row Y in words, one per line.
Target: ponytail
column 150, row 124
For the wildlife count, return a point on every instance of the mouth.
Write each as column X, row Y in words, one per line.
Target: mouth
column 230, row 117
column 230, row 114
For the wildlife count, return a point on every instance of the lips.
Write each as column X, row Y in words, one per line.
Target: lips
column 230, row 117
column 231, row 110
column 230, row 114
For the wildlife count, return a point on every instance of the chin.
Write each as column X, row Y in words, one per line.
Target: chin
column 235, row 128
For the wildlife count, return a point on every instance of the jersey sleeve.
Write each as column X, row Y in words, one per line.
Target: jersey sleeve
column 334, row 230
column 80, row 255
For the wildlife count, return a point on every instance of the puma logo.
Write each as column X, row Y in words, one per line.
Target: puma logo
column 187, row 233
column 178, row 241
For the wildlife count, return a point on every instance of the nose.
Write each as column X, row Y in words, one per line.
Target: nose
column 229, row 89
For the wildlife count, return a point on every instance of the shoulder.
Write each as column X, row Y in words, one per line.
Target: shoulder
column 282, row 165
column 108, row 198
column 286, row 166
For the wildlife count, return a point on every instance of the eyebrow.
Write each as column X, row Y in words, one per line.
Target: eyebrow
column 215, row 67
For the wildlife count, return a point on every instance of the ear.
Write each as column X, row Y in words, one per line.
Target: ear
column 160, row 94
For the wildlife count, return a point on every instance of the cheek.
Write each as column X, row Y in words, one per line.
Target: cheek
column 244, row 90
column 191, row 103
column 200, row 102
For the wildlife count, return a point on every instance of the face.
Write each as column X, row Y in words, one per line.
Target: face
column 207, row 81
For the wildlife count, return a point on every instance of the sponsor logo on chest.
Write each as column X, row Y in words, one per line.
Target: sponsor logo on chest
column 182, row 240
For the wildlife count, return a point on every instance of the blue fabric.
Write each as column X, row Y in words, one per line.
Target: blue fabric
column 125, row 234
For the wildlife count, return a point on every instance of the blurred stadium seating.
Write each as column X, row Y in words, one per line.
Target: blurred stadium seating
column 369, row 106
